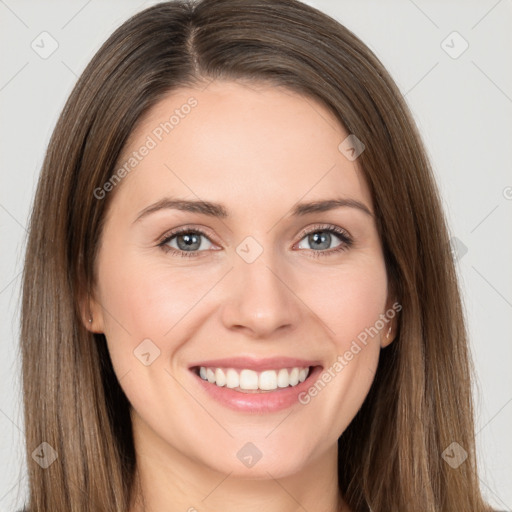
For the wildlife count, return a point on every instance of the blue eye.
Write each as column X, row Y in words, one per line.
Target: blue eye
column 189, row 242
column 322, row 239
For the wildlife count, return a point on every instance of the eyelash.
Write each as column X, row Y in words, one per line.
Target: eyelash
column 346, row 240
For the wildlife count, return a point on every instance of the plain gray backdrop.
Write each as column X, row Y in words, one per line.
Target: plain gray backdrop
column 451, row 60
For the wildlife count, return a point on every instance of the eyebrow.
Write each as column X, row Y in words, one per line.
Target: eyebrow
column 218, row 210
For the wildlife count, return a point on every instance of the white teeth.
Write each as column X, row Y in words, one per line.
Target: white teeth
column 267, row 380
column 220, row 377
column 283, row 379
column 245, row 379
column 248, row 379
column 232, row 379
column 294, row 377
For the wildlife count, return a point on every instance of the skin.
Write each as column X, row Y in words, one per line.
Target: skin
column 258, row 150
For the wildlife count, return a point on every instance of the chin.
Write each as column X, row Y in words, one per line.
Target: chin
column 274, row 465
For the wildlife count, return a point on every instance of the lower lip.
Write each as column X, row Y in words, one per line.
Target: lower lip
column 264, row 402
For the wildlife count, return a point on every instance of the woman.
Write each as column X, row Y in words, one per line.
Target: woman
column 193, row 347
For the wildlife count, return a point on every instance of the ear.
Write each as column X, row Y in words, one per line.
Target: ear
column 91, row 313
column 391, row 318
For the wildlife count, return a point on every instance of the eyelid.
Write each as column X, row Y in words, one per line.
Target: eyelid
column 341, row 233
column 203, row 230
column 206, row 231
column 327, row 227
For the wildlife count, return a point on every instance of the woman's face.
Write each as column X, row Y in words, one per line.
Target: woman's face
column 253, row 287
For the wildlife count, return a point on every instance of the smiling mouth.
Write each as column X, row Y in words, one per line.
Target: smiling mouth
column 250, row 381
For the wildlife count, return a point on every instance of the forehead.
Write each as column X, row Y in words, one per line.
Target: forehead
column 252, row 141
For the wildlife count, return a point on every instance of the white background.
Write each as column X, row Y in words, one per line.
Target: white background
column 463, row 107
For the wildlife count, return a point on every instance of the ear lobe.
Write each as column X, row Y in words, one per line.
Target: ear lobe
column 91, row 314
column 389, row 333
column 391, row 314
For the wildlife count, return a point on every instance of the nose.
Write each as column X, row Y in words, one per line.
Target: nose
column 259, row 298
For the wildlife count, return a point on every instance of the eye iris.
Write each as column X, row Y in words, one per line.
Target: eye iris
column 191, row 241
column 320, row 237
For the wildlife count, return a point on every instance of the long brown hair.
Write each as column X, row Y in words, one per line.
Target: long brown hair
column 390, row 456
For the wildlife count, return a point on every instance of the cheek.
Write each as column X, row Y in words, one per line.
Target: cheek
column 143, row 300
column 147, row 305
column 145, row 297
column 350, row 308
column 350, row 300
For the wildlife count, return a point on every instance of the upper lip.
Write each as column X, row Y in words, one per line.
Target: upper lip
column 257, row 364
